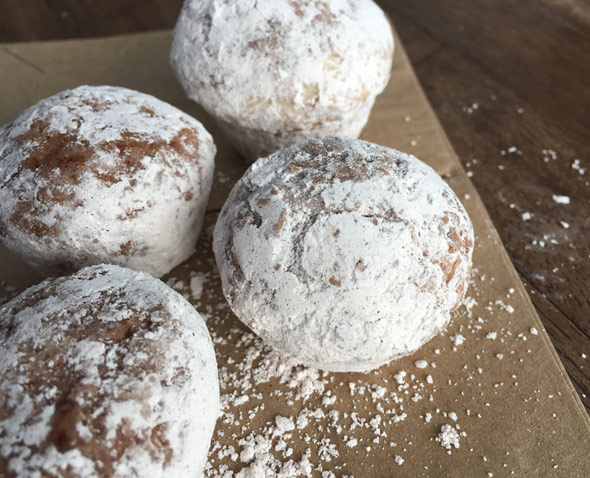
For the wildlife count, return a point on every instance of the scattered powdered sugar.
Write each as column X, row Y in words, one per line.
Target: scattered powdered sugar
column 400, row 377
column 263, row 464
column 7, row 292
column 287, row 420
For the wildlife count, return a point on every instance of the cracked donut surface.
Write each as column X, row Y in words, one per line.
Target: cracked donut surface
column 342, row 253
column 102, row 174
column 105, row 373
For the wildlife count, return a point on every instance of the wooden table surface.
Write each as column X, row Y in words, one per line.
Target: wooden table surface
column 510, row 82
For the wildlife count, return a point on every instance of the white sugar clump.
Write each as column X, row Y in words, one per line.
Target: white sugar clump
column 342, row 253
column 276, row 72
column 421, row 363
column 196, row 285
column 284, row 424
column 400, row 377
column 280, row 418
column 132, row 369
column 351, row 442
column 103, row 174
column 561, row 199
column 448, row 437
column 577, row 166
column 458, row 339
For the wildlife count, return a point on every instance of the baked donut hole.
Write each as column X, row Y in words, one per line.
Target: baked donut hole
column 103, row 174
column 342, row 253
column 105, row 373
column 281, row 71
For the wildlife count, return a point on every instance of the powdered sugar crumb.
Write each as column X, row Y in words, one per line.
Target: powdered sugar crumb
column 457, row 339
column 561, row 199
column 196, row 285
column 421, row 363
column 448, row 437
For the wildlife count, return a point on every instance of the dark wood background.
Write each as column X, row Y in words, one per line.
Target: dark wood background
column 510, row 82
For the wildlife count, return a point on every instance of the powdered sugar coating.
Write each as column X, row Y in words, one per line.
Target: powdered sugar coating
column 103, row 174
column 107, row 372
column 276, row 72
column 342, row 253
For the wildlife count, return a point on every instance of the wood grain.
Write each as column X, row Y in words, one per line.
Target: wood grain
column 509, row 82
column 526, row 67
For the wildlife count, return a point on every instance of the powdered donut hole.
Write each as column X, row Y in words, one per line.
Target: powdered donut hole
column 342, row 253
column 102, row 174
column 276, row 72
column 105, row 373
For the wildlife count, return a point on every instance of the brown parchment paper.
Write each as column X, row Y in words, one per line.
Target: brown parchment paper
column 511, row 394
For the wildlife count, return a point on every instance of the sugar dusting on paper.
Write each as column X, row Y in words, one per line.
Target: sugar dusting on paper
column 282, row 419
